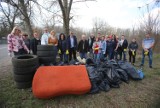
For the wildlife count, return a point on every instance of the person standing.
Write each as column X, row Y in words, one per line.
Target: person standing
column 147, row 45
column 110, row 47
column 34, row 42
column 16, row 44
column 26, row 40
column 133, row 46
column 72, row 45
column 96, row 50
column 124, row 45
column 91, row 41
column 63, row 48
column 83, row 47
column 52, row 40
column 45, row 36
column 103, row 48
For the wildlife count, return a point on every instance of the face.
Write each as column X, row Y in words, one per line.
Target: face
column 53, row 33
column 133, row 40
column 83, row 37
column 92, row 35
column 62, row 36
column 147, row 35
column 25, row 36
column 102, row 38
column 71, row 33
column 45, row 30
column 36, row 35
column 122, row 37
column 17, row 31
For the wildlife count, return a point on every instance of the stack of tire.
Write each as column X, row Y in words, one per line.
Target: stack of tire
column 24, row 68
column 46, row 54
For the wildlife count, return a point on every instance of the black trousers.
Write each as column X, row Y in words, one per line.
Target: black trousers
column 72, row 52
column 132, row 57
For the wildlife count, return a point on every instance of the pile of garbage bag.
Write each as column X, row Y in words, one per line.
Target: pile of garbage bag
column 110, row 74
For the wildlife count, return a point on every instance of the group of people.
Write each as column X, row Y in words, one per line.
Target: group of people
column 99, row 47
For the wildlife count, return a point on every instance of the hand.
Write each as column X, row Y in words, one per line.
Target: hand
column 56, row 45
column 10, row 54
column 27, row 51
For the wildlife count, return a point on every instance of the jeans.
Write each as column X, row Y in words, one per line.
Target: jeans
column 97, row 58
column 20, row 52
column 110, row 54
column 64, row 57
column 124, row 55
column 150, row 55
column 82, row 55
column 91, row 53
column 72, row 51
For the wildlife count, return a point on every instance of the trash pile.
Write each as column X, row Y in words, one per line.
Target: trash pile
column 110, row 74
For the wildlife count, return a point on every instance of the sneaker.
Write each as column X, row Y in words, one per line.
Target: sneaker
column 150, row 67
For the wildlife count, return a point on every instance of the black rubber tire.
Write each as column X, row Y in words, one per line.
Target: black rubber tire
column 24, row 85
column 45, row 47
column 26, row 70
column 23, row 78
column 46, row 60
column 25, row 61
column 45, row 53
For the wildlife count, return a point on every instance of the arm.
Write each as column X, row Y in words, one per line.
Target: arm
column 42, row 40
column 24, row 46
column 152, row 44
column 10, row 44
column 117, row 46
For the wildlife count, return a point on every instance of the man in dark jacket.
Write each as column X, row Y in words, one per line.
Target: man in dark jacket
column 124, row 45
column 83, row 47
column 34, row 42
column 133, row 46
column 72, row 45
column 90, row 42
column 110, row 47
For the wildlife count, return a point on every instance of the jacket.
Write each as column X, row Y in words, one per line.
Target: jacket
column 91, row 41
column 44, row 39
column 34, row 43
column 133, row 46
column 110, row 45
column 62, row 45
column 15, row 43
column 83, row 46
column 125, row 44
column 69, row 42
column 103, row 46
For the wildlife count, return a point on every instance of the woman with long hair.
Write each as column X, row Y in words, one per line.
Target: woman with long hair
column 16, row 44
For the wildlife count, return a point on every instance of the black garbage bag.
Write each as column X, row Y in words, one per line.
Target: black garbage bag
column 104, row 85
column 89, row 62
column 112, row 76
column 130, row 69
column 94, row 87
column 123, row 75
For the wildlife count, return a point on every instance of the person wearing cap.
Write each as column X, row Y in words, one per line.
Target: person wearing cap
column 45, row 36
column 147, row 45
column 72, row 46
column 110, row 47
column 26, row 40
column 133, row 46
column 124, row 45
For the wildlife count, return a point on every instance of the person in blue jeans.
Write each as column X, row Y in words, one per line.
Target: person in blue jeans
column 96, row 50
column 124, row 45
column 103, row 48
column 63, row 48
column 110, row 48
column 83, row 47
column 147, row 45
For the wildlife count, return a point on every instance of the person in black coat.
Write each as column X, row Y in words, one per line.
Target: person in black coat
column 63, row 48
column 124, row 45
column 34, row 42
column 26, row 41
column 91, row 40
column 72, row 46
column 83, row 47
column 133, row 46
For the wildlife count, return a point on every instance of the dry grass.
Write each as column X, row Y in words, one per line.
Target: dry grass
column 136, row 94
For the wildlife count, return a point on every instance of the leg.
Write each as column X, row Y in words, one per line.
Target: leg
column 124, row 55
column 65, row 58
column 95, row 57
column 61, row 57
column 74, row 54
column 130, row 54
column 150, row 57
column 143, row 56
column 70, row 54
column 98, row 58
column 81, row 55
column 134, row 57
column 85, row 55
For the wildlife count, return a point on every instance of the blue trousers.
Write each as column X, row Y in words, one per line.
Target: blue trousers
column 150, row 56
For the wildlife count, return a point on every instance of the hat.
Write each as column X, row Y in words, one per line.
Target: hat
column 110, row 36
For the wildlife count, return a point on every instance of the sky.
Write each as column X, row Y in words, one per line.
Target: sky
column 117, row 13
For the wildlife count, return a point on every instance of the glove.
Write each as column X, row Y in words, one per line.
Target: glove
column 96, row 48
column 67, row 52
column 133, row 53
column 125, row 49
column 146, row 53
column 59, row 51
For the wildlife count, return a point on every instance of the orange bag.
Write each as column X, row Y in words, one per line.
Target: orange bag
column 51, row 81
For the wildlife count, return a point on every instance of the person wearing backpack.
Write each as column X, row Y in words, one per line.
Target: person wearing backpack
column 133, row 46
